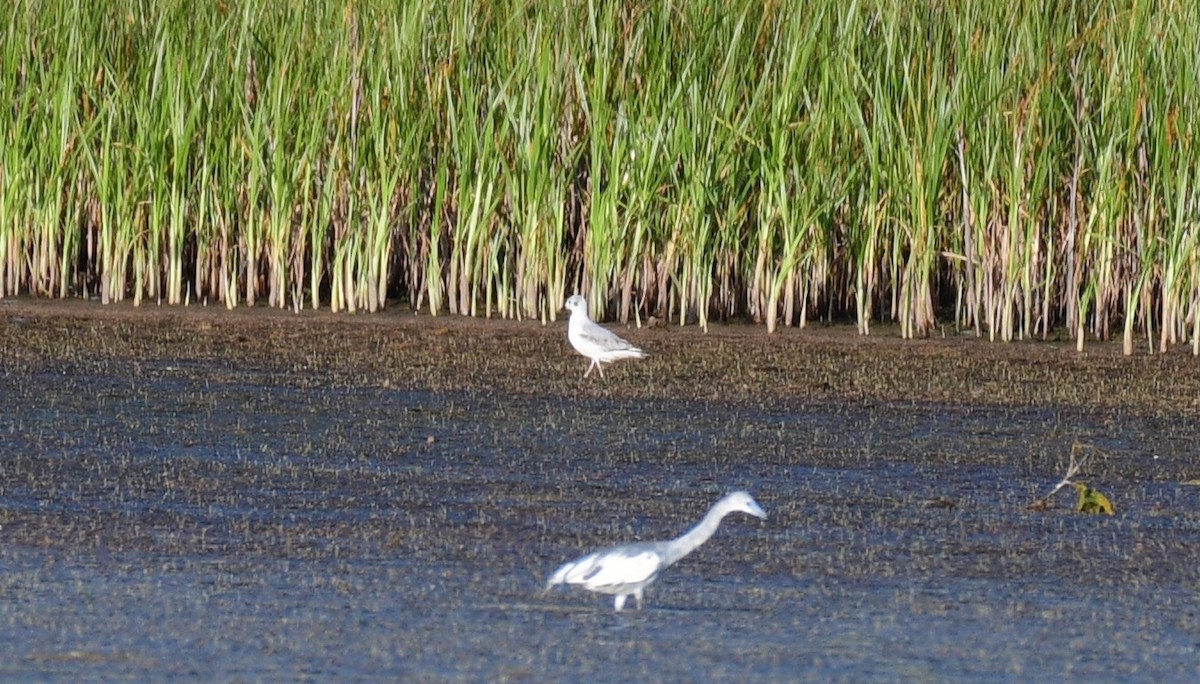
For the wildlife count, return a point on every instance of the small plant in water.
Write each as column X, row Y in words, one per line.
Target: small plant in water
column 1090, row 500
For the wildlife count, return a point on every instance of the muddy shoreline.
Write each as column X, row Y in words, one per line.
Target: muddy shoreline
column 398, row 348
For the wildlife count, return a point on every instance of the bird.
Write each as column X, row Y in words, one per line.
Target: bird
column 595, row 342
column 627, row 570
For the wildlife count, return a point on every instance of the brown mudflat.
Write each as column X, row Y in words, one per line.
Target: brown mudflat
column 401, row 349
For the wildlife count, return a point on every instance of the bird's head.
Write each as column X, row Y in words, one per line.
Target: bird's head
column 576, row 303
column 744, row 503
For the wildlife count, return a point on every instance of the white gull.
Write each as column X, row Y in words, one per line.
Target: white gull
column 595, row 342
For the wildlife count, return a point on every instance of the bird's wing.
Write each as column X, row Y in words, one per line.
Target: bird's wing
column 602, row 337
column 573, row 572
column 621, row 566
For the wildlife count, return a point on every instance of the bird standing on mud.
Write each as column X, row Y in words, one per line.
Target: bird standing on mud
column 595, row 342
column 627, row 570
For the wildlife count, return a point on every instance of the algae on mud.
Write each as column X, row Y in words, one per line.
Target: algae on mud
column 258, row 495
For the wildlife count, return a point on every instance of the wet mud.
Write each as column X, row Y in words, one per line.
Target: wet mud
column 253, row 495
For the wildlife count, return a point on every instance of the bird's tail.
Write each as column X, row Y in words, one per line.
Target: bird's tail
column 630, row 353
column 559, row 576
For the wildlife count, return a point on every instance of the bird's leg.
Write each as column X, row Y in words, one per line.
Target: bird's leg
column 619, row 602
column 599, row 367
column 589, row 369
column 638, row 596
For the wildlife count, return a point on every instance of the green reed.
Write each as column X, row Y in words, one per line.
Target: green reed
column 982, row 166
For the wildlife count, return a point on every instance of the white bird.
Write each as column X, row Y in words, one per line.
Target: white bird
column 595, row 342
column 627, row 570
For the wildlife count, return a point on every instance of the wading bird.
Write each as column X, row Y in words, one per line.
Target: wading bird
column 627, row 570
column 597, row 343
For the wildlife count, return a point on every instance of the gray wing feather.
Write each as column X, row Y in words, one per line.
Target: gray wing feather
column 604, row 338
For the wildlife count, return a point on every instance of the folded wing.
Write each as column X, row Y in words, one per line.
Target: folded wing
column 610, row 568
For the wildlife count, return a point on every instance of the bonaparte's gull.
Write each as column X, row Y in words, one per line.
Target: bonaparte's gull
column 595, row 342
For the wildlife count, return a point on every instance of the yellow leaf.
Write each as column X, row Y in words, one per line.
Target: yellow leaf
column 1191, row 482
column 1091, row 500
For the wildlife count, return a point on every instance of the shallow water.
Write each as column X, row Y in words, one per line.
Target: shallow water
column 209, row 520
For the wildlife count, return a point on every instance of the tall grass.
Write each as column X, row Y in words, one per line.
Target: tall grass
column 990, row 167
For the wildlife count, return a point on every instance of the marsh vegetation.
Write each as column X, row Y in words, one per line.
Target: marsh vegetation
column 985, row 166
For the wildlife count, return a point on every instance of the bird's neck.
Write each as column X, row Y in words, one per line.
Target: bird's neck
column 683, row 545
